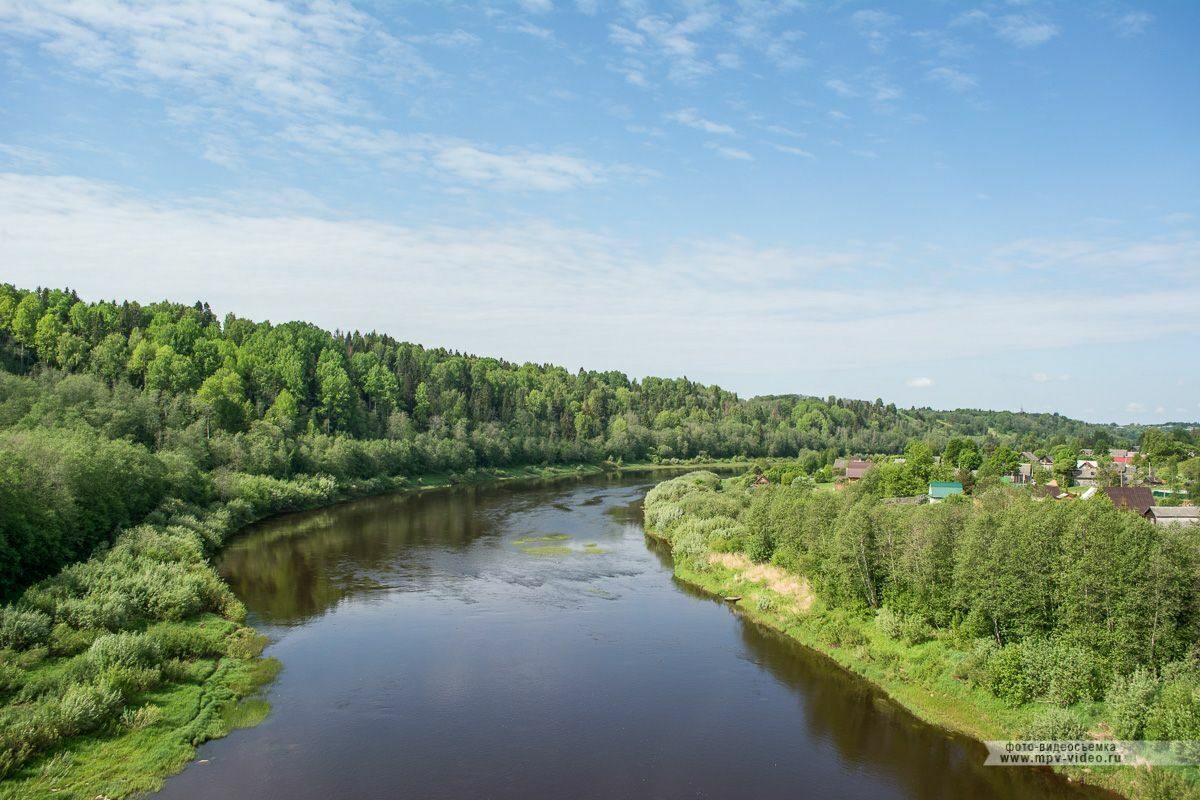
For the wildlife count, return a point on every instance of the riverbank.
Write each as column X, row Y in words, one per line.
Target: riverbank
column 926, row 676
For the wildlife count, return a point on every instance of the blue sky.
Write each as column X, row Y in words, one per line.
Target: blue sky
column 951, row 204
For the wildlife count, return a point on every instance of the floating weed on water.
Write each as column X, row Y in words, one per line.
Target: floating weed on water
column 547, row 550
column 553, row 537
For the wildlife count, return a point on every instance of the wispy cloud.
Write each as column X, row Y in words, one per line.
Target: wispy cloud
column 841, row 87
column 951, row 78
column 732, row 153
column 875, row 26
column 265, row 55
column 919, row 383
column 793, row 151
column 1022, row 30
column 692, row 119
column 24, row 157
column 447, row 158
column 1130, row 23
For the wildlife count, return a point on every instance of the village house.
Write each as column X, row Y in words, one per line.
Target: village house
column 1045, row 462
column 1086, row 472
column 1187, row 516
column 1137, row 499
column 940, row 490
column 855, row 469
column 1121, row 456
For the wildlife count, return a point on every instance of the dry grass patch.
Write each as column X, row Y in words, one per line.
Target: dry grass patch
column 776, row 579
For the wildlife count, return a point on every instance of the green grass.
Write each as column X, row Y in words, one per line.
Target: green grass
column 214, row 697
column 554, row 537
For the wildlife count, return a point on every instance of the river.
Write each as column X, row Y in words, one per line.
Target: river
column 530, row 642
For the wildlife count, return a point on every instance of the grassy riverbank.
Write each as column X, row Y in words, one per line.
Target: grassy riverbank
column 934, row 674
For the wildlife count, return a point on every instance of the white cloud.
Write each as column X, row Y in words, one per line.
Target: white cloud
column 1018, row 29
column 692, row 119
column 1025, row 31
column 1135, row 407
column 25, row 157
column 451, row 39
column 733, row 153
column 262, row 55
column 951, row 78
column 875, row 26
column 919, row 383
column 793, row 151
column 1131, row 23
column 537, row 6
column 841, row 87
column 448, row 158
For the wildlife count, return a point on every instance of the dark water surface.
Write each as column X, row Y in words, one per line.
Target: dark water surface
column 428, row 653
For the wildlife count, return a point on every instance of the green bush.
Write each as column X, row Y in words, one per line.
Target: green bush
column 21, row 628
column 1129, row 699
column 67, row 641
column 973, row 668
column 125, row 650
column 1006, row 675
column 888, row 622
column 759, row 546
column 1175, row 715
column 913, row 629
column 1054, row 724
column 83, row 708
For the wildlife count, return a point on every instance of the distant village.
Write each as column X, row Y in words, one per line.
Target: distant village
column 1127, row 485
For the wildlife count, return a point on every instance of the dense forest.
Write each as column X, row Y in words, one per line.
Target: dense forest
column 1070, row 616
column 107, row 409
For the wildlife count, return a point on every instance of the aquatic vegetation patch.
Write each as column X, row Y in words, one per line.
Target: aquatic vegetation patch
column 547, row 550
column 553, row 537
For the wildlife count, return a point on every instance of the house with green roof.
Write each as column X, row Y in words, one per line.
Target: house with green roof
column 940, row 490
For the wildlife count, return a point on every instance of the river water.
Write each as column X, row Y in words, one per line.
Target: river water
column 457, row 644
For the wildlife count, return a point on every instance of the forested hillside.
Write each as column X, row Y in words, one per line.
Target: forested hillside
column 108, row 408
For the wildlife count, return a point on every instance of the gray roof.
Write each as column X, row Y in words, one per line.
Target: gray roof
column 1176, row 512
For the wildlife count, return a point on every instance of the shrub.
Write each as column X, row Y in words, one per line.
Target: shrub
column 765, row 603
column 973, row 668
column 184, row 640
column 83, row 708
column 689, row 545
column 888, row 622
column 838, row 630
column 137, row 718
column 23, row 628
column 1054, row 724
column 125, row 650
column 1075, row 675
column 1006, row 675
column 1175, row 715
column 67, row 641
column 759, row 546
column 1129, row 699
column 913, row 629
